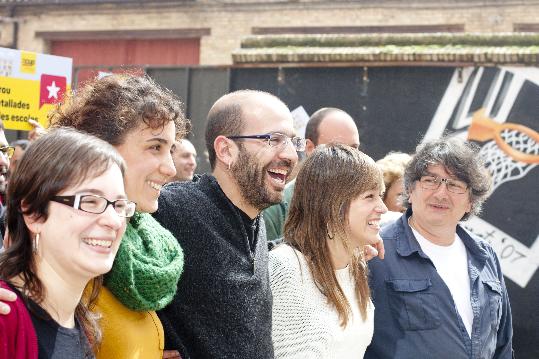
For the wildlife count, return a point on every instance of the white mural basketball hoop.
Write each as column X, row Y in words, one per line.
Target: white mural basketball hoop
column 512, row 152
column 509, row 150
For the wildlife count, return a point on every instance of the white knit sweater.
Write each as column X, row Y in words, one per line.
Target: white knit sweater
column 304, row 325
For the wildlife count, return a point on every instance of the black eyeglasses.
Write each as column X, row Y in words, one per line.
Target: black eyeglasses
column 433, row 183
column 276, row 139
column 8, row 151
column 92, row 203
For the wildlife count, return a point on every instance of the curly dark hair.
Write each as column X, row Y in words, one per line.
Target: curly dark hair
column 111, row 107
column 458, row 157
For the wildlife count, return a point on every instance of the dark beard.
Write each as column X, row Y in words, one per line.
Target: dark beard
column 250, row 177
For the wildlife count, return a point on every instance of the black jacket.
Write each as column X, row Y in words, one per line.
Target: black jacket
column 222, row 308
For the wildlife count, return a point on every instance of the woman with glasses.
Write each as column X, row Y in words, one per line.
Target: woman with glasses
column 142, row 121
column 318, row 277
column 66, row 215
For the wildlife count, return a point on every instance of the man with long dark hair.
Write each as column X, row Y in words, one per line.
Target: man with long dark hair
column 440, row 292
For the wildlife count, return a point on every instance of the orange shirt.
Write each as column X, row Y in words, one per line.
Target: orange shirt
column 128, row 333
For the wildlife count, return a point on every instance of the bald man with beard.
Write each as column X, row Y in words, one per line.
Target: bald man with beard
column 222, row 308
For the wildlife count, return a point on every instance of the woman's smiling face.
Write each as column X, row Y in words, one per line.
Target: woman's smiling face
column 147, row 153
column 77, row 243
column 364, row 218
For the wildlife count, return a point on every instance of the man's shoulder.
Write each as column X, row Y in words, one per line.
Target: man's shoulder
column 389, row 217
column 178, row 200
column 395, row 238
column 276, row 211
column 174, row 188
column 184, row 192
column 275, row 216
column 289, row 191
column 279, row 210
column 471, row 239
column 391, row 231
column 477, row 239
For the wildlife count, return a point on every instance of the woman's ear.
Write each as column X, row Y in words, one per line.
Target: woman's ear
column 32, row 221
column 226, row 150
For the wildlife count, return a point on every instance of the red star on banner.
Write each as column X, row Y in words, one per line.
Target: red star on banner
column 52, row 89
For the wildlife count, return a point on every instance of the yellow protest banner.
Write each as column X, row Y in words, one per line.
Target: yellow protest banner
column 30, row 86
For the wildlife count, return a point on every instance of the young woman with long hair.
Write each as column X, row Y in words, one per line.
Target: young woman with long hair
column 321, row 298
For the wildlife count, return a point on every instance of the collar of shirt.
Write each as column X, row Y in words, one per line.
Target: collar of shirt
column 408, row 245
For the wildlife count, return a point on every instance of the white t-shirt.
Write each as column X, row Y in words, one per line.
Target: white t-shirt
column 304, row 325
column 451, row 263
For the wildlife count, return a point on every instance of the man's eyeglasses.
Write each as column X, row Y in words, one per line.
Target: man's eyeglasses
column 8, row 151
column 276, row 139
column 92, row 203
column 433, row 183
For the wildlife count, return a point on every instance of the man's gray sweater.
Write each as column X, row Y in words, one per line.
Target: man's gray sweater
column 222, row 308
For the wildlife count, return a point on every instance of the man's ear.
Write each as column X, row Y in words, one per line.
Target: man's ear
column 309, row 147
column 226, row 150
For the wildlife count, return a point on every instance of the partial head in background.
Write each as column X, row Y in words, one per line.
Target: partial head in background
column 251, row 140
column 20, row 147
column 140, row 119
column 185, row 160
column 393, row 166
column 330, row 125
column 445, row 182
column 5, row 154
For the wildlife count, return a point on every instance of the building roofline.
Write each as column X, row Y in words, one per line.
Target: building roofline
column 473, row 48
column 83, row 2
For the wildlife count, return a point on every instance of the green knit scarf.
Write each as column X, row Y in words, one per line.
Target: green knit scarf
column 147, row 267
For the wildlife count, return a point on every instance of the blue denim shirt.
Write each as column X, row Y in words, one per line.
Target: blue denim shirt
column 415, row 316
